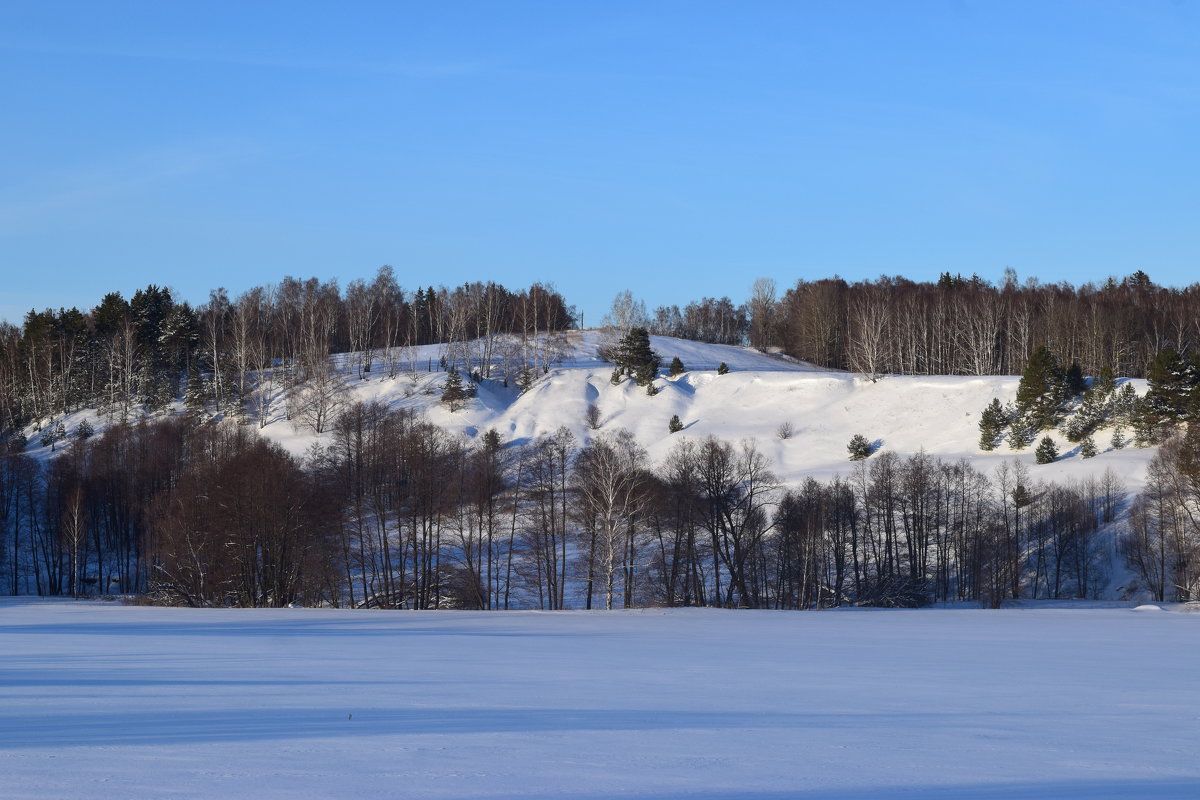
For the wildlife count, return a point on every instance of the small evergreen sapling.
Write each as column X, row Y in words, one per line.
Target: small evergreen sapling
column 991, row 424
column 1046, row 451
column 675, row 425
column 859, row 448
column 676, row 367
column 722, row 368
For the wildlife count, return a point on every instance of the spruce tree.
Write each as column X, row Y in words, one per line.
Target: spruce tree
column 454, row 394
column 675, row 425
column 991, row 424
column 722, row 368
column 1046, row 451
column 676, row 367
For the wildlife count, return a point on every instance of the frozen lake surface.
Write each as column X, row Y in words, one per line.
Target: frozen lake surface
column 103, row 700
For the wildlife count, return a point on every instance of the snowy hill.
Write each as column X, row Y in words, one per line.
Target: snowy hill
column 760, row 393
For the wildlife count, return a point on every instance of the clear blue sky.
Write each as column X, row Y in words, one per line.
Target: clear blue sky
column 679, row 149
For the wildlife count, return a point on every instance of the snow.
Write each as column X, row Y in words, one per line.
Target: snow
column 1060, row 701
column 904, row 414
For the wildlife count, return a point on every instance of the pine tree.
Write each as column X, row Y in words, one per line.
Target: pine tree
column 722, row 368
column 454, row 394
column 991, row 424
column 1118, row 438
column 195, row 398
column 635, row 358
column 1042, row 391
column 1075, row 382
column 84, row 430
column 676, row 367
column 1046, row 451
column 675, row 425
column 525, row 379
column 1087, row 448
column 859, row 448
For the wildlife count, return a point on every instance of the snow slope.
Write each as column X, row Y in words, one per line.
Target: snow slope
column 903, row 413
column 102, row 700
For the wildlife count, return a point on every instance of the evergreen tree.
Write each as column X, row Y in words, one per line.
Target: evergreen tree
column 1042, row 391
column 675, row 425
column 1075, row 382
column 1118, row 438
column 1171, row 382
column 676, row 367
column 722, row 368
column 525, row 379
column 635, row 358
column 454, row 393
column 1087, row 448
column 84, row 430
column 1046, row 451
column 859, row 448
column 196, row 396
column 991, row 424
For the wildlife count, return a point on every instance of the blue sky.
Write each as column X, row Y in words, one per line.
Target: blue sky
column 678, row 149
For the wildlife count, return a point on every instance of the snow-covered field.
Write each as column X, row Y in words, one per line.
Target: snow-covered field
column 102, row 700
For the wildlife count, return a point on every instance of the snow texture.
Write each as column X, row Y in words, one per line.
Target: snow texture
column 1057, row 701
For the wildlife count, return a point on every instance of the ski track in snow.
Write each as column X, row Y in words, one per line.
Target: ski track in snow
column 1059, row 701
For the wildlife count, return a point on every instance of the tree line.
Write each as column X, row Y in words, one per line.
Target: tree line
column 396, row 512
column 265, row 351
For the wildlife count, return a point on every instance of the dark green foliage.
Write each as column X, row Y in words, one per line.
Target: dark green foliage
column 1170, row 396
column 1042, row 391
column 675, row 425
column 635, row 358
column 454, row 393
column 1105, row 383
column 1118, row 438
column 991, row 424
column 859, row 448
column 722, row 368
column 1087, row 448
column 676, row 367
column 1046, row 451
column 615, row 379
column 197, row 395
column 1075, row 382
column 84, row 430
column 525, row 379
column 1020, row 433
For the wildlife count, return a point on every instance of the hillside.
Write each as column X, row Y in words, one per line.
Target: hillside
column 902, row 413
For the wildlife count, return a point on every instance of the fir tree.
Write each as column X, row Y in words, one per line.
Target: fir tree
column 84, row 430
column 676, row 367
column 1046, row 451
column 991, row 424
column 722, row 368
column 454, row 394
column 1087, row 448
column 859, row 448
column 675, row 425
column 1042, row 391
